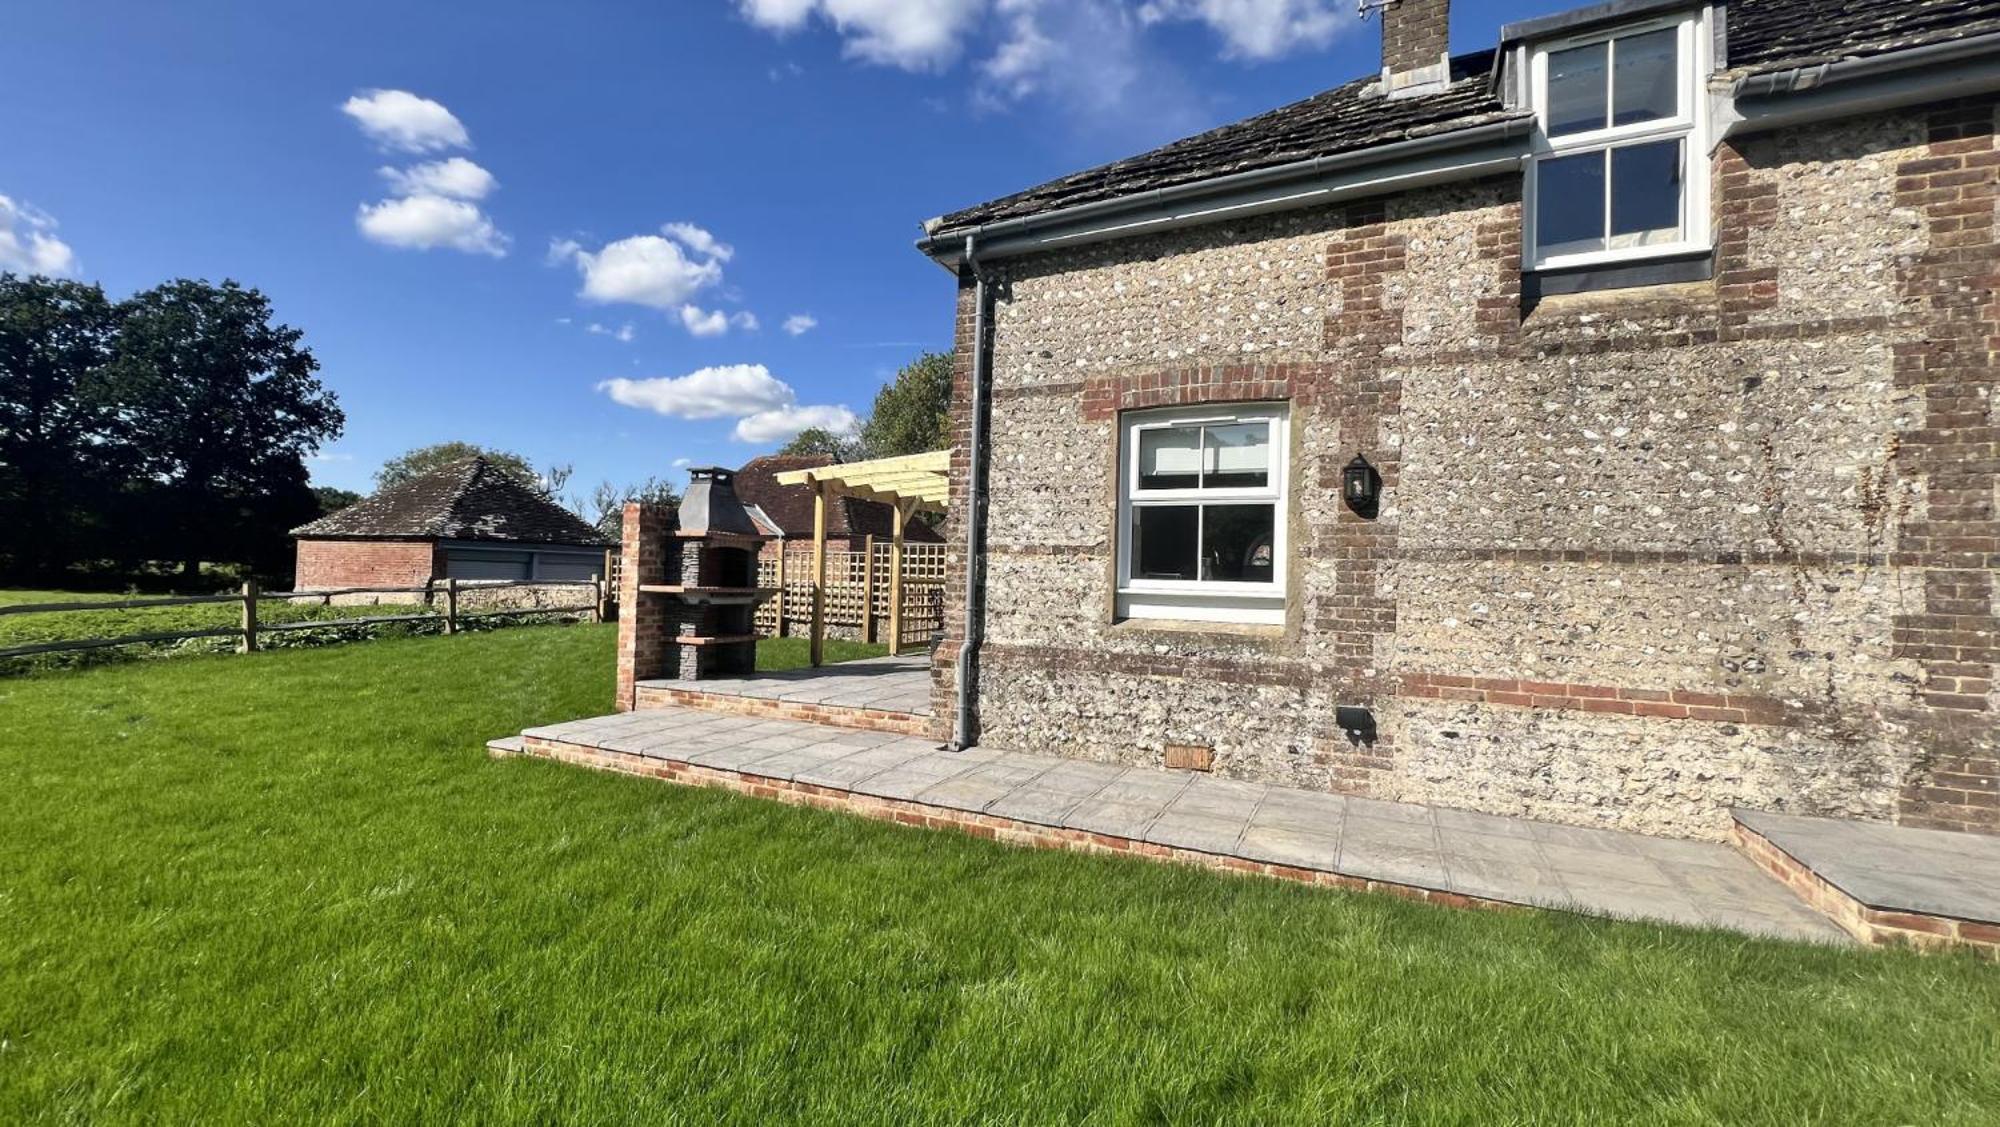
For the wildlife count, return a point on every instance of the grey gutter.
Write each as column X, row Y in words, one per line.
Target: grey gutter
column 1911, row 76
column 937, row 241
column 1794, row 80
column 975, row 508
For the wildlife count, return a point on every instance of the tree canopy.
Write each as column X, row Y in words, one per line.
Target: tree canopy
column 816, row 440
column 424, row 459
column 171, row 426
column 912, row 414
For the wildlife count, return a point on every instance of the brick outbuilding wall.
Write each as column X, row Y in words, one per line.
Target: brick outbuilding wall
column 1643, row 554
column 366, row 563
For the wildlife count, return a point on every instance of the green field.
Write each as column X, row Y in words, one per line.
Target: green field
column 291, row 887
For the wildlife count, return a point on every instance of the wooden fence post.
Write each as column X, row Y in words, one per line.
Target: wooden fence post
column 896, row 581
column 868, row 589
column 596, row 598
column 249, row 643
column 783, row 551
column 451, row 606
column 816, row 646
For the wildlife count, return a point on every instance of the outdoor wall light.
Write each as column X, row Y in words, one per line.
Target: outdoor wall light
column 1358, row 723
column 1361, row 486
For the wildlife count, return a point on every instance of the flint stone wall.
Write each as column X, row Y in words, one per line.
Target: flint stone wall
column 1644, row 555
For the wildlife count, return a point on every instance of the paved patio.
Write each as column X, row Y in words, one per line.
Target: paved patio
column 886, row 684
column 1450, row 851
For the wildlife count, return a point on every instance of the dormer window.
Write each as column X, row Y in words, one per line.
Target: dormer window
column 1620, row 170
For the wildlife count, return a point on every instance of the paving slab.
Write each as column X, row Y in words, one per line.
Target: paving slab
column 859, row 764
column 1207, row 833
column 911, row 778
column 1281, row 845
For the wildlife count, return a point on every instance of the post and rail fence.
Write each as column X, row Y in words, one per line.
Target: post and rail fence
column 250, row 628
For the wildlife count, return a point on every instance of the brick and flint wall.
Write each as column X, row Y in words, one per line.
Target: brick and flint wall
column 1643, row 555
column 330, row 564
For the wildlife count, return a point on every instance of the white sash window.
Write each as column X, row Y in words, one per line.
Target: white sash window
column 1201, row 506
column 1620, row 170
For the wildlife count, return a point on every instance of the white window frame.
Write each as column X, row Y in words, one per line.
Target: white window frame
column 1689, row 125
column 1209, row 600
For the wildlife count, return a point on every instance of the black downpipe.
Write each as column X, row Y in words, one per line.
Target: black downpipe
column 975, row 509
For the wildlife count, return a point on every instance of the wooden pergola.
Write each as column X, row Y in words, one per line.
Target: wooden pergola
column 906, row 484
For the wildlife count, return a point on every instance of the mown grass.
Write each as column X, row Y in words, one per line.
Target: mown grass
column 291, row 887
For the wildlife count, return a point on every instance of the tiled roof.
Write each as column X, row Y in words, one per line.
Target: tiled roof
column 1340, row 120
column 471, row 499
column 790, row 506
column 1762, row 35
column 1779, row 34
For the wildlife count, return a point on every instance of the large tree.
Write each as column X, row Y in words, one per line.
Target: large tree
column 217, row 408
column 814, row 440
column 912, row 414
column 55, row 337
column 424, row 459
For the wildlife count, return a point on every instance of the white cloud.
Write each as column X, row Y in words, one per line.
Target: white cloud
column 706, row 393
column 402, row 121
column 765, row 407
column 799, row 324
column 457, row 177
column 623, row 334
column 425, row 222
column 911, row 34
column 28, row 243
column 1258, row 29
column 698, row 240
column 746, row 320
column 704, row 323
column 683, row 463
column 781, row 423
column 643, row 270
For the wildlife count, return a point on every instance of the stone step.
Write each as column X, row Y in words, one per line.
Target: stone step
column 1883, row 884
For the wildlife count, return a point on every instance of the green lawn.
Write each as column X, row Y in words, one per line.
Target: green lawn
column 291, row 887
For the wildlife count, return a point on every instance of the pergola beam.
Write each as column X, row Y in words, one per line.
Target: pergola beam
column 905, row 484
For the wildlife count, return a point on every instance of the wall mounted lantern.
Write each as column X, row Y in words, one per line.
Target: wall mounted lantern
column 1361, row 486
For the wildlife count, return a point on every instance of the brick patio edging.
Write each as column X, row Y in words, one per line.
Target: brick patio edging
column 1869, row 925
column 1005, row 830
column 838, row 716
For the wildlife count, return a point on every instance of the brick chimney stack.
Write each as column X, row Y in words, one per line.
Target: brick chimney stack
column 1416, row 46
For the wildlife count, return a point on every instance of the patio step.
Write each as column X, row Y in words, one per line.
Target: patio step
column 1883, row 884
column 887, row 694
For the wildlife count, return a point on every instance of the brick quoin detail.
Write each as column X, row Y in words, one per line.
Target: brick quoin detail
column 1956, row 638
column 1362, row 402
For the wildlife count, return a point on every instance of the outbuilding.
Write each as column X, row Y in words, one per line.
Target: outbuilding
column 469, row 520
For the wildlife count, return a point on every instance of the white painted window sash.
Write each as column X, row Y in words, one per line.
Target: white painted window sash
column 1199, row 599
column 1689, row 125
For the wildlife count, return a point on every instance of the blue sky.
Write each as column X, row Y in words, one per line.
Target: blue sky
column 681, row 168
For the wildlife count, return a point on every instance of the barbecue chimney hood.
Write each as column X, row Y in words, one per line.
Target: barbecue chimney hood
column 711, row 507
